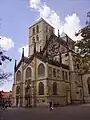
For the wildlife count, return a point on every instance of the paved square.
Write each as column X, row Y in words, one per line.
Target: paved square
column 80, row 112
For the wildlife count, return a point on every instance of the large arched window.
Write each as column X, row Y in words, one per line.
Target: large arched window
column 41, row 88
column 18, row 76
column 18, row 90
column 88, row 83
column 54, row 88
column 28, row 72
column 41, row 69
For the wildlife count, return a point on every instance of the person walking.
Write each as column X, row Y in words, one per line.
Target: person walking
column 50, row 106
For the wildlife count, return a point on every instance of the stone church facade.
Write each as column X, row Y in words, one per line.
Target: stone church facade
column 49, row 73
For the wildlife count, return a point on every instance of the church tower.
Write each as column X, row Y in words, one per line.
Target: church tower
column 39, row 33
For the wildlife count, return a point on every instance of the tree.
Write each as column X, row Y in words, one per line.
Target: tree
column 83, row 45
column 3, row 58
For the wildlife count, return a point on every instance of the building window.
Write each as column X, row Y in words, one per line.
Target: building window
column 28, row 72
column 66, row 76
column 63, row 75
column 41, row 88
column 88, row 83
column 50, row 72
column 37, row 28
column 33, row 31
column 58, row 73
column 54, row 88
column 33, row 39
column 18, row 76
column 41, row 69
column 37, row 38
column 54, row 72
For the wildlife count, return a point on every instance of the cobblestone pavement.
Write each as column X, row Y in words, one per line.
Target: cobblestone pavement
column 79, row 112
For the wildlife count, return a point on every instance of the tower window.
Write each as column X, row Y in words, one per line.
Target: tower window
column 37, row 28
column 33, row 30
column 37, row 38
column 33, row 39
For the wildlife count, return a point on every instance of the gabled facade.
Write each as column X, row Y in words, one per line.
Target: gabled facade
column 48, row 74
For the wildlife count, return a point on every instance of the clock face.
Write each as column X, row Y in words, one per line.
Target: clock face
column 53, row 48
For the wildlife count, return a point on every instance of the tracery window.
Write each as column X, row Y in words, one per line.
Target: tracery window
column 18, row 76
column 41, row 69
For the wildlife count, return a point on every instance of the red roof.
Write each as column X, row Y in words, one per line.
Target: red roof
column 6, row 94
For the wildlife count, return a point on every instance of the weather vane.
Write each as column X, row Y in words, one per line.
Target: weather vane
column 88, row 21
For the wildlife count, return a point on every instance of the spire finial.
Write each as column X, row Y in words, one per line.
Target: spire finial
column 22, row 52
column 15, row 65
column 88, row 16
column 58, row 34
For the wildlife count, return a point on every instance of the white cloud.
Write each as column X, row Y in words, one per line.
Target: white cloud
column 25, row 50
column 6, row 43
column 70, row 26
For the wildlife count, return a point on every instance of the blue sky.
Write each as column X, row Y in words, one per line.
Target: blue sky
column 17, row 15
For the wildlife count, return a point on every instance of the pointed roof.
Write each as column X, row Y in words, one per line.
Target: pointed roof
column 40, row 20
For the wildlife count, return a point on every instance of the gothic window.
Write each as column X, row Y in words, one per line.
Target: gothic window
column 54, row 88
column 41, row 88
column 66, row 76
column 54, row 72
column 18, row 90
column 63, row 75
column 41, row 69
column 37, row 28
column 33, row 30
column 50, row 72
column 88, row 83
column 37, row 38
column 18, row 76
column 28, row 72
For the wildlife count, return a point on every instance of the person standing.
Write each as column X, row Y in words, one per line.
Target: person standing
column 50, row 106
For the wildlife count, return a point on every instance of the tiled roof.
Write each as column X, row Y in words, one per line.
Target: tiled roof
column 6, row 94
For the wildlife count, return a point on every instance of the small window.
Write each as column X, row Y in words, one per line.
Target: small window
column 63, row 75
column 37, row 28
column 66, row 76
column 33, row 30
column 33, row 39
column 58, row 73
column 50, row 72
column 54, row 72
column 37, row 38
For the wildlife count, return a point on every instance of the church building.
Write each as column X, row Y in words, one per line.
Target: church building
column 49, row 73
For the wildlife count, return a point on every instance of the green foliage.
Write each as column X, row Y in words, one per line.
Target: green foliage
column 83, row 45
column 3, row 75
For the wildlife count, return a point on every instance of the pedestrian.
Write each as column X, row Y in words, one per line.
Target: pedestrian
column 50, row 106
